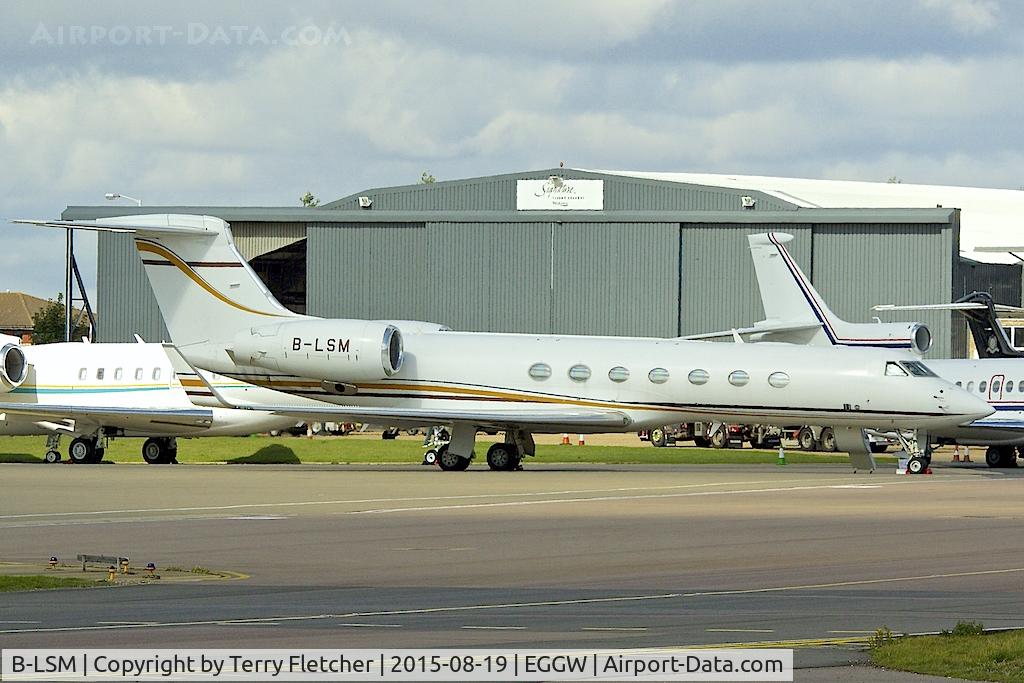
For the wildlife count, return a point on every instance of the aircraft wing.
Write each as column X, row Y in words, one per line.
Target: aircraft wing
column 198, row 418
column 955, row 306
column 756, row 329
column 593, row 419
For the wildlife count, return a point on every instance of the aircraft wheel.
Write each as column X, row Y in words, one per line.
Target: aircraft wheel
column 720, row 439
column 916, row 465
column 430, row 457
column 502, row 457
column 1009, row 457
column 81, row 450
column 993, row 456
column 658, row 438
column 97, row 455
column 806, row 439
column 701, row 442
column 828, row 440
column 52, row 456
column 450, row 462
column 155, row 451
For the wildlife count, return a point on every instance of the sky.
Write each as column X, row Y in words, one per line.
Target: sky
column 254, row 103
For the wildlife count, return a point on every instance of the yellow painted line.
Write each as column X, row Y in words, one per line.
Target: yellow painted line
column 191, row 274
column 855, row 631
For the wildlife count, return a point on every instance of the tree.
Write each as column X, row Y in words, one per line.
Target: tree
column 48, row 324
column 427, row 178
column 308, row 200
column 894, row 180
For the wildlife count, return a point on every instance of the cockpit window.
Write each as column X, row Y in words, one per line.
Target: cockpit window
column 894, row 370
column 917, row 368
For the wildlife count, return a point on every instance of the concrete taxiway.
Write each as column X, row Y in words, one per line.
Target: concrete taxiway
column 812, row 557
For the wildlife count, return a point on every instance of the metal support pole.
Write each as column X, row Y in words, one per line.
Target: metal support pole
column 68, row 282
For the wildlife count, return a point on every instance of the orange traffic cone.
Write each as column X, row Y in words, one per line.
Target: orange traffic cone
column 565, row 440
column 582, row 441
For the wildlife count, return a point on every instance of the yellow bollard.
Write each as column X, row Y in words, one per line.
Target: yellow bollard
column 111, row 573
column 53, row 562
column 124, row 566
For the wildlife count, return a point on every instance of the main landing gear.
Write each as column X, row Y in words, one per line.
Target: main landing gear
column 456, row 453
column 1001, row 456
column 160, row 451
column 85, row 450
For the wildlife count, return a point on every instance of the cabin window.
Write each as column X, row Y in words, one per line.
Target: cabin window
column 156, row 374
column 100, row 372
column 618, row 374
column 579, row 372
column 996, row 384
column 698, row 377
column 138, row 373
column 540, row 371
column 894, row 370
column 1009, row 387
column 970, row 386
column 960, row 384
column 778, row 379
column 658, row 375
column 82, row 374
column 738, row 378
column 118, row 373
column 981, row 387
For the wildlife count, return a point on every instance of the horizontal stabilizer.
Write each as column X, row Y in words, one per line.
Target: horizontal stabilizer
column 760, row 327
column 958, row 306
column 167, row 224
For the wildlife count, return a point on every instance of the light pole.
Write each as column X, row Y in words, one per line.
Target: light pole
column 110, row 196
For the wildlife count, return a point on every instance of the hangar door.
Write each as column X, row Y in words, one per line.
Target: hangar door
column 718, row 288
column 544, row 277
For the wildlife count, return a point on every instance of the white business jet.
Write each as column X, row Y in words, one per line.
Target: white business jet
column 223, row 319
column 94, row 392
column 796, row 313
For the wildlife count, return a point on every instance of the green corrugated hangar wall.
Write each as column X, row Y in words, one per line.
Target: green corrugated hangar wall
column 662, row 259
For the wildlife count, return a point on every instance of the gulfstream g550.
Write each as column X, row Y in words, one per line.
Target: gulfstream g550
column 223, row 319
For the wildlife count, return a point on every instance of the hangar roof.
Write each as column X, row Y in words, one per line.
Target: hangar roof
column 989, row 217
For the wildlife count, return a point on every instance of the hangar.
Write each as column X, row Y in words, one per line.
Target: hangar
column 573, row 252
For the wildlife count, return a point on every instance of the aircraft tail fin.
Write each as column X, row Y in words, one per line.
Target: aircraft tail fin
column 206, row 291
column 790, row 300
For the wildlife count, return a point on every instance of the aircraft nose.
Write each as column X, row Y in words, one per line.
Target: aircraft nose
column 956, row 402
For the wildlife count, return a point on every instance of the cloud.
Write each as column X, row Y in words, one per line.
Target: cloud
column 966, row 16
column 760, row 88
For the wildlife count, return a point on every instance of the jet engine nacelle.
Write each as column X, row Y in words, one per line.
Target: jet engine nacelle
column 920, row 338
column 331, row 350
column 13, row 367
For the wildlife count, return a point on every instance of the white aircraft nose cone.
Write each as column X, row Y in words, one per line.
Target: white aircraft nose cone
column 958, row 402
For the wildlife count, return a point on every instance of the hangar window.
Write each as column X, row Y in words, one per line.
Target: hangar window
column 540, row 371
column 100, row 372
column 658, row 375
column 618, row 374
column 156, row 374
column 981, row 387
column 118, row 373
column 894, row 370
column 1009, row 387
column 995, row 386
column 778, row 379
column 579, row 372
column 698, row 377
column 970, row 386
column 138, row 373
column 83, row 373
column 738, row 378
